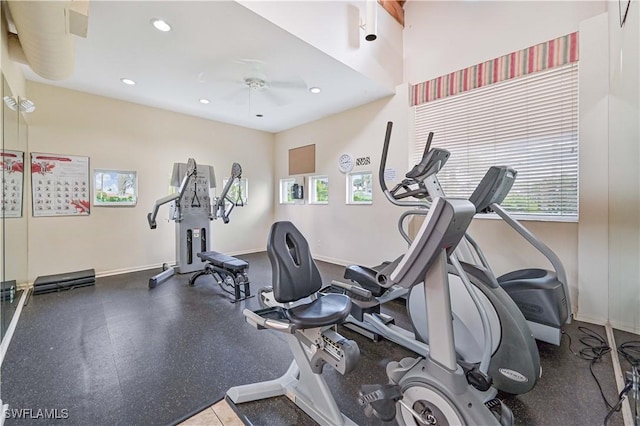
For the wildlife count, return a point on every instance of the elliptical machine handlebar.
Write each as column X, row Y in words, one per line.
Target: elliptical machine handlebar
column 192, row 171
column 413, row 186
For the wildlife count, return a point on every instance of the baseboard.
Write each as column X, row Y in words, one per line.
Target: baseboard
column 27, row 285
column 626, row 327
column 159, row 265
column 249, row 251
column 334, row 261
column 130, row 270
column 24, row 286
column 596, row 321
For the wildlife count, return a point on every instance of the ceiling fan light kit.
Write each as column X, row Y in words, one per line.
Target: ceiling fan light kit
column 255, row 83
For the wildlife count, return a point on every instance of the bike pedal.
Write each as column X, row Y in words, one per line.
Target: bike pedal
column 380, row 401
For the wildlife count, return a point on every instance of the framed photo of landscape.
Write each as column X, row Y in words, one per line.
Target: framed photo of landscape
column 115, row 187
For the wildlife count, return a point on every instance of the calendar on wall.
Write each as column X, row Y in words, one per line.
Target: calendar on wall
column 12, row 165
column 60, row 185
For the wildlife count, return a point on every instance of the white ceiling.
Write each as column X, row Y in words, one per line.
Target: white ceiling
column 213, row 47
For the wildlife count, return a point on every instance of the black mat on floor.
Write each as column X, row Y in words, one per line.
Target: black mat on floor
column 121, row 354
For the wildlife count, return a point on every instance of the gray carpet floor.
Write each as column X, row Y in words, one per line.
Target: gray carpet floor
column 118, row 353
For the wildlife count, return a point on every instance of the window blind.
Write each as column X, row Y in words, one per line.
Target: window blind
column 529, row 123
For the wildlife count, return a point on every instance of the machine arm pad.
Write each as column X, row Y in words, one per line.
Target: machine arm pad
column 151, row 217
column 272, row 324
column 219, row 208
column 350, row 288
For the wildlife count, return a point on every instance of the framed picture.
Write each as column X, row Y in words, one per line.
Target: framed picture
column 115, row 187
column 12, row 166
column 60, row 185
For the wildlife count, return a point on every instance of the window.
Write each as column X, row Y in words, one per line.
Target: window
column 239, row 191
column 360, row 188
column 529, row 123
column 286, row 195
column 319, row 190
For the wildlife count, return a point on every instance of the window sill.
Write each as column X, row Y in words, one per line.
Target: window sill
column 529, row 218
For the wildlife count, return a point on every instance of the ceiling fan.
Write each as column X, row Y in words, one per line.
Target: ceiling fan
column 255, row 88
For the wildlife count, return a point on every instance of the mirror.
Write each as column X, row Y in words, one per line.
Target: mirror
column 14, row 211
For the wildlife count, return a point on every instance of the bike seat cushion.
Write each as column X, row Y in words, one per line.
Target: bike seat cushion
column 366, row 277
column 326, row 310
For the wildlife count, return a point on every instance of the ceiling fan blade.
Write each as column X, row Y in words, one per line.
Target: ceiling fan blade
column 206, row 77
column 290, row 85
column 248, row 61
column 203, row 77
column 238, row 95
column 275, row 98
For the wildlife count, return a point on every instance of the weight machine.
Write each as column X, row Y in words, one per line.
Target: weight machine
column 192, row 208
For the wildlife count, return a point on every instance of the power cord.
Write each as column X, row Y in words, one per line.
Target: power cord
column 630, row 351
column 621, row 396
column 596, row 348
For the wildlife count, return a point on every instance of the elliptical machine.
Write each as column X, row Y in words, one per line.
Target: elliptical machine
column 434, row 389
column 191, row 208
column 513, row 362
column 542, row 295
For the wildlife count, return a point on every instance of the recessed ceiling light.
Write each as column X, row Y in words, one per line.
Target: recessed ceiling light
column 315, row 90
column 128, row 81
column 205, row 101
column 160, row 25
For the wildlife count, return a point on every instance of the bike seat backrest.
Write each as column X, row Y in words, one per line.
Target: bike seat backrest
column 493, row 188
column 295, row 274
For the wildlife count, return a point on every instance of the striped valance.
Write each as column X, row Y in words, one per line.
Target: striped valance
column 559, row 51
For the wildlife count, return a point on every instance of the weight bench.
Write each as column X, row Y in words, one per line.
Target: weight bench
column 227, row 271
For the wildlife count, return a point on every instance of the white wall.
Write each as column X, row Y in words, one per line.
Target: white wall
column 445, row 36
column 593, row 232
column 10, row 69
column 442, row 37
column 362, row 234
column 624, row 175
column 126, row 136
column 333, row 27
column 13, row 128
column 439, row 37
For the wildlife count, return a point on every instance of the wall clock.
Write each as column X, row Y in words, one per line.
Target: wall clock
column 345, row 163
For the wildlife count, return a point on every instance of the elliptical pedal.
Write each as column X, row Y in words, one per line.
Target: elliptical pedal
column 500, row 411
